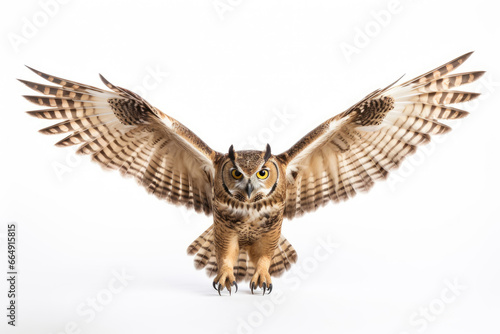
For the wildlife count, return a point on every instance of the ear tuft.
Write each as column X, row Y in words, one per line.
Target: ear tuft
column 231, row 153
column 267, row 155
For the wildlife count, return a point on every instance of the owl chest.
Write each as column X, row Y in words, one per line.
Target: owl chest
column 250, row 224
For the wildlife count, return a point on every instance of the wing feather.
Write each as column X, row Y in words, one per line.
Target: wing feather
column 122, row 131
column 349, row 152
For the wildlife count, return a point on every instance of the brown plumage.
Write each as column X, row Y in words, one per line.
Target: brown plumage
column 250, row 192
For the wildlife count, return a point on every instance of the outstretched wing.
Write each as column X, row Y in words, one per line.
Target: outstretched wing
column 120, row 130
column 350, row 151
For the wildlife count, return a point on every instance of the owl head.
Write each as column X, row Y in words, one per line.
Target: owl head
column 249, row 176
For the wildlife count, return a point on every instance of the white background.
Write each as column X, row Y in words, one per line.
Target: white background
column 232, row 66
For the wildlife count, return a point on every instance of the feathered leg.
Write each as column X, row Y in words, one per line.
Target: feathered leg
column 261, row 253
column 226, row 252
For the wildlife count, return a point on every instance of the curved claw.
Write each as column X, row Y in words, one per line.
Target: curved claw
column 252, row 287
column 235, row 285
column 270, row 288
column 219, row 289
column 264, row 286
column 214, row 286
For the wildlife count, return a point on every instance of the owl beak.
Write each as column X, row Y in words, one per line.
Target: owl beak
column 249, row 189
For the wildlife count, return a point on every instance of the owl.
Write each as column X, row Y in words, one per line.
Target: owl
column 249, row 193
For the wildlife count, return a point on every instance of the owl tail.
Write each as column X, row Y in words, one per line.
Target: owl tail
column 203, row 250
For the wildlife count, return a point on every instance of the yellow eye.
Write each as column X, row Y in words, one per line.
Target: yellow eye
column 263, row 174
column 236, row 174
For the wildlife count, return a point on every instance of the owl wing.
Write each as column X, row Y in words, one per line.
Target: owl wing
column 348, row 152
column 120, row 130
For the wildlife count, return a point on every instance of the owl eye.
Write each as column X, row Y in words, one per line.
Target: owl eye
column 236, row 174
column 263, row 174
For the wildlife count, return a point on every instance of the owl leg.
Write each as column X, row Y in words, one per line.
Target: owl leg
column 227, row 251
column 261, row 253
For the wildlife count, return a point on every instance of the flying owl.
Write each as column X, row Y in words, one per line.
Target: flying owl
column 249, row 193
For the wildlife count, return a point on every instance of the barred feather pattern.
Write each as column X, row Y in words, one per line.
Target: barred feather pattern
column 203, row 250
column 343, row 156
column 122, row 131
column 349, row 152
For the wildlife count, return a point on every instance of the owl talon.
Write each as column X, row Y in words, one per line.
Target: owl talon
column 223, row 280
column 235, row 286
column 261, row 279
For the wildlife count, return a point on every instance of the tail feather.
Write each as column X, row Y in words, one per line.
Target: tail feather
column 284, row 256
column 195, row 245
column 203, row 249
column 211, row 266
column 240, row 269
